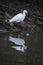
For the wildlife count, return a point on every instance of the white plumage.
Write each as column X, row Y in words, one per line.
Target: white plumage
column 19, row 17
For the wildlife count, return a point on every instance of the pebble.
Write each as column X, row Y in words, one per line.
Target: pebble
column 27, row 34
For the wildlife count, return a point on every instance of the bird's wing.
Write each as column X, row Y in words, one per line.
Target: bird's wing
column 16, row 18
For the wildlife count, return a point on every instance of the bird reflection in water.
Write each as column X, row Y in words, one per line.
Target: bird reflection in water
column 18, row 41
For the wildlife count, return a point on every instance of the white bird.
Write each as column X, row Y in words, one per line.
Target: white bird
column 19, row 17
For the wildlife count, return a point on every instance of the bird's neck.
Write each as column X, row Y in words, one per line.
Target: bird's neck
column 24, row 14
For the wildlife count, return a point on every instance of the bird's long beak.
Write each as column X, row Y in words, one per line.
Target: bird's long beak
column 27, row 14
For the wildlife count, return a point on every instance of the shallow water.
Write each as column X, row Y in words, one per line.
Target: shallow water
column 33, row 55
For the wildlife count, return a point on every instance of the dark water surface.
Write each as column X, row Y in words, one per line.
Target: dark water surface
column 33, row 55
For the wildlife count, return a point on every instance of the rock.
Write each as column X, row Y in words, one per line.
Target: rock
column 27, row 34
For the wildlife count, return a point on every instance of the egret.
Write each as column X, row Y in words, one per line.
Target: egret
column 19, row 17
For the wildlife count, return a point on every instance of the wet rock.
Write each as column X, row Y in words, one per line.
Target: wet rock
column 3, row 31
column 7, row 15
column 27, row 34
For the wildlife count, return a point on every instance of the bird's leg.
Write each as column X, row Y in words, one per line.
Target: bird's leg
column 22, row 23
column 11, row 25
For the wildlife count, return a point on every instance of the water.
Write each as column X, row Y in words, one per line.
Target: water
column 33, row 55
